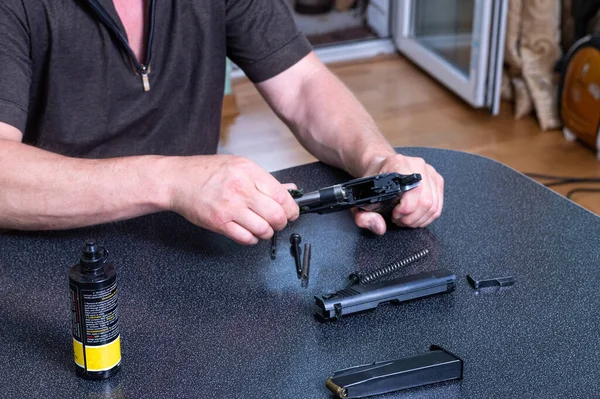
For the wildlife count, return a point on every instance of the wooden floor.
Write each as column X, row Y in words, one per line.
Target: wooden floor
column 412, row 109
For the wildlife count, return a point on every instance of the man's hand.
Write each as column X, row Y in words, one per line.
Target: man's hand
column 230, row 195
column 332, row 125
column 227, row 194
column 418, row 207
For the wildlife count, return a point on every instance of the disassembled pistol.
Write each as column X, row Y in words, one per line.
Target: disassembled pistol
column 359, row 298
column 437, row 365
column 368, row 193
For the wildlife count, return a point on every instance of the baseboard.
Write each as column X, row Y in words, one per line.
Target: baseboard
column 365, row 49
column 230, row 108
column 361, row 50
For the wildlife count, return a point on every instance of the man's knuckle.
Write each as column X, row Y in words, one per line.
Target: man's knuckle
column 240, row 162
column 280, row 195
column 432, row 210
column 419, row 162
column 426, row 202
column 236, row 183
column 408, row 208
column 218, row 218
column 247, row 240
column 279, row 220
column 263, row 230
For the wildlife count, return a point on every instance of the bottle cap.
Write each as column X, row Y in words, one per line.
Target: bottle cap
column 93, row 256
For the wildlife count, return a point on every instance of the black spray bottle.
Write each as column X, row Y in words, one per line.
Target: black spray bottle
column 95, row 316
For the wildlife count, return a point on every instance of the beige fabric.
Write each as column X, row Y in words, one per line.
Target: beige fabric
column 506, row 90
column 512, row 53
column 531, row 51
column 540, row 50
column 522, row 99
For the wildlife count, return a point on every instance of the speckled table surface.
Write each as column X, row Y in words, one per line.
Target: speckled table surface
column 202, row 317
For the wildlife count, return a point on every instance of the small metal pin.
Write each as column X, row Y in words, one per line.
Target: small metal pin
column 274, row 246
column 305, row 266
column 295, row 240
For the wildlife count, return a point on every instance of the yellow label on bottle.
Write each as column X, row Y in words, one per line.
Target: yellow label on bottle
column 98, row 358
column 78, row 351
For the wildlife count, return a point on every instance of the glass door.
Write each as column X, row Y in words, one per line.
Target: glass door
column 459, row 42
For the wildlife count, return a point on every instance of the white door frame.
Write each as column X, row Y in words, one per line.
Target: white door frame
column 471, row 88
column 378, row 17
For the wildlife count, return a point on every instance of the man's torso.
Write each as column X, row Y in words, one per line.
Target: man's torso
column 88, row 99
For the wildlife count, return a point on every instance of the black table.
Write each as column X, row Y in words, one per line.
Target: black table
column 202, row 317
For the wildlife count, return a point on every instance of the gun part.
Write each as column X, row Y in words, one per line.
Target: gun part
column 296, row 193
column 387, row 270
column 305, row 266
column 435, row 366
column 274, row 246
column 368, row 193
column 365, row 297
column 295, row 240
column 492, row 282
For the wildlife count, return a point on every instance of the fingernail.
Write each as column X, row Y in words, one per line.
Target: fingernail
column 373, row 226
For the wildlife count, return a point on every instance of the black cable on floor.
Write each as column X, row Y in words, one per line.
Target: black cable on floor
column 582, row 190
column 559, row 180
column 569, row 181
column 552, row 177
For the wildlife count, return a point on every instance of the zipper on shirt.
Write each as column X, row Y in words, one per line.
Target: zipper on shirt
column 142, row 69
column 145, row 81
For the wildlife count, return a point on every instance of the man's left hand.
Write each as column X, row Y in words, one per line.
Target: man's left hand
column 418, row 207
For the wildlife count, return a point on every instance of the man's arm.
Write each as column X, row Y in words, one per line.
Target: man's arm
column 331, row 124
column 226, row 194
column 43, row 190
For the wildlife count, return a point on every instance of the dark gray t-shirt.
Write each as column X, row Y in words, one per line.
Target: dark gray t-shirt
column 70, row 85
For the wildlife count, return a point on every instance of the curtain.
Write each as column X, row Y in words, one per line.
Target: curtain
column 532, row 49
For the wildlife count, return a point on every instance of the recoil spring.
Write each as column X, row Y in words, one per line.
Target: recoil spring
column 387, row 270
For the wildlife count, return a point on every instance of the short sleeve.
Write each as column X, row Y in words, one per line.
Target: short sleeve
column 262, row 37
column 15, row 64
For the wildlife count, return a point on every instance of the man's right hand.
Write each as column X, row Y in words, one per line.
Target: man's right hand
column 229, row 195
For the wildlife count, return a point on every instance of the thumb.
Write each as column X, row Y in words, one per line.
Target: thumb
column 369, row 220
